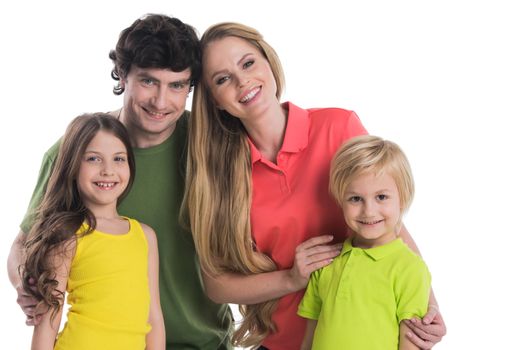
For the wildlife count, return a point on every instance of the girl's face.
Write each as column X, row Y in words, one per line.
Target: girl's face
column 372, row 209
column 239, row 77
column 104, row 172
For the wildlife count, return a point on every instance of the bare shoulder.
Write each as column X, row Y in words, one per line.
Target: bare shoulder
column 149, row 233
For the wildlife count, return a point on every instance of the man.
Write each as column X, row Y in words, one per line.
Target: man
column 157, row 61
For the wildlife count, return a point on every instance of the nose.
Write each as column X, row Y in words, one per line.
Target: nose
column 160, row 98
column 243, row 80
column 106, row 169
column 369, row 208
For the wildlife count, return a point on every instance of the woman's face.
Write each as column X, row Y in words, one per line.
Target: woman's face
column 239, row 77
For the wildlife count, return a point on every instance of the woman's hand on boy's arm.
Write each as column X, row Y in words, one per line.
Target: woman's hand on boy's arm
column 427, row 332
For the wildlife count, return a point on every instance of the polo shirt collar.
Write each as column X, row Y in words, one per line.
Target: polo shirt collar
column 295, row 135
column 376, row 253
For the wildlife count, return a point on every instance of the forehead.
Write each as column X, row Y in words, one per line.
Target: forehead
column 228, row 50
column 370, row 182
column 160, row 74
column 105, row 141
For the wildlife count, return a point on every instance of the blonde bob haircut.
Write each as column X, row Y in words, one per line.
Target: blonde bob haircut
column 218, row 192
column 371, row 154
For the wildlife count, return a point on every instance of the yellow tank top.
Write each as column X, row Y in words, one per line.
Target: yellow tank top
column 108, row 292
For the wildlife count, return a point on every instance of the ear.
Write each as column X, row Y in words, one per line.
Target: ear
column 122, row 83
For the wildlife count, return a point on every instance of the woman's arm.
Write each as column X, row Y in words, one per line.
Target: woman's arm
column 156, row 338
column 429, row 331
column 44, row 333
column 237, row 288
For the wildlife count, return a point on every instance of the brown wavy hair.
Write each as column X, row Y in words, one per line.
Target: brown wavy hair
column 62, row 212
column 219, row 188
column 156, row 41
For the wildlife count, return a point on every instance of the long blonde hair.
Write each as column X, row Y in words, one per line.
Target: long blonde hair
column 219, row 189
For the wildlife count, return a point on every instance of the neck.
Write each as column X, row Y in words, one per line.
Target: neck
column 267, row 132
column 108, row 212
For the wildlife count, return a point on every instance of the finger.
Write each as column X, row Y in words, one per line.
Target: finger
column 422, row 344
column 423, row 332
column 431, row 315
column 317, row 265
column 312, row 242
column 321, row 257
column 322, row 249
column 26, row 300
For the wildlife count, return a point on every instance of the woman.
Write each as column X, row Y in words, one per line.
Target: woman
column 257, row 188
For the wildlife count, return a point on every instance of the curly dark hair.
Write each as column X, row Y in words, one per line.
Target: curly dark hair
column 62, row 211
column 156, row 41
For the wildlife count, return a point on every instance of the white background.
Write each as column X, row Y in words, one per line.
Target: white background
column 445, row 80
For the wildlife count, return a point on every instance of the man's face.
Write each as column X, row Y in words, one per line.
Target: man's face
column 154, row 99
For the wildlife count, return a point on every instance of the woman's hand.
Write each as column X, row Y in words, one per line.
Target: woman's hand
column 429, row 331
column 310, row 256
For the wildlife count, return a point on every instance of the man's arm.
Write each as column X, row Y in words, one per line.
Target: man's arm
column 26, row 301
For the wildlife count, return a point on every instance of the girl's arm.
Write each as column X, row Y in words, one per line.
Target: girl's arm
column 236, row 288
column 156, row 338
column 44, row 333
column 309, row 334
column 428, row 332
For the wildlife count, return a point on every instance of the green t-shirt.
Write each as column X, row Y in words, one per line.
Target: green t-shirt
column 360, row 298
column 191, row 319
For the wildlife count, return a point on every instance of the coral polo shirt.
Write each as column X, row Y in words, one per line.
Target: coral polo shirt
column 291, row 201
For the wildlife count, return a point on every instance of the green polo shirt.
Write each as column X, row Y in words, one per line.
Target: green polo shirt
column 360, row 298
column 191, row 319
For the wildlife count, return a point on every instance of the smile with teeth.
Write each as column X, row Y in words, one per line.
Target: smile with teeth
column 250, row 95
column 373, row 222
column 155, row 114
column 105, row 185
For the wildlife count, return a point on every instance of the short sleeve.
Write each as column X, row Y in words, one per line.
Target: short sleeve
column 412, row 290
column 40, row 188
column 353, row 126
column 310, row 306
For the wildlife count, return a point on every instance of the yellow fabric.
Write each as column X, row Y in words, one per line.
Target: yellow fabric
column 360, row 298
column 108, row 292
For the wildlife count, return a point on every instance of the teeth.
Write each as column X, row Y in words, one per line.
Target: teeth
column 250, row 95
column 105, row 184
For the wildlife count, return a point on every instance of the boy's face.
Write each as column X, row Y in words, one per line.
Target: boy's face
column 372, row 209
column 154, row 99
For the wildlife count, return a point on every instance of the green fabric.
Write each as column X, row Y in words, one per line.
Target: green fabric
column 360, row 298
column 192, row 320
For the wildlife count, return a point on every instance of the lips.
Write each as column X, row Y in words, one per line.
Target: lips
column 155, row 115
column 250, row 95
column 370, row 222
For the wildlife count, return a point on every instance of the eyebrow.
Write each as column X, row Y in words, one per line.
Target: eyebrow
column 148, row 76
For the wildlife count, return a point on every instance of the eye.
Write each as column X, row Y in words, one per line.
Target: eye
column 180, row 85
column 248, row 64
column 222, row 80
column 147, row 81
column 120, row 159
column 92, row 158
column 354, row 199
column 382, row 197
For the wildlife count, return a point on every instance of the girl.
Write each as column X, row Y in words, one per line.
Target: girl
column 359, row 300
column 108, row 264
column 256, row 194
